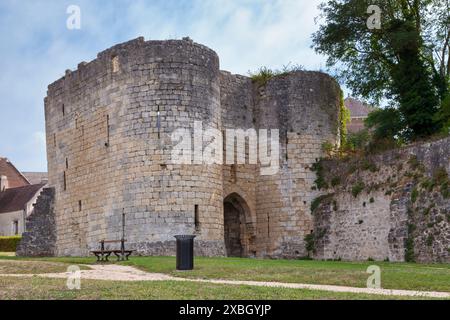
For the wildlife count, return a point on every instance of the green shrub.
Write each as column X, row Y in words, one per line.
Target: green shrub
column 320, row 182
column 428, row 185
column 264, row 74
column 428, row 210
column 328, row 148
column 369, row 165
column 359, row 140
column 310, row 243
column 9, row 244
column 414, row 195
column 440, row 177
column 317, row 201
column 335, row 181
column 357, row 188
column 385, row 123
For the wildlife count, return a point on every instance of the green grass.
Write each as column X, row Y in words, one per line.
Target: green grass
column 50, row 289
column 407, row 276
column 32, row 267
column 394, row 276
column 7, row 254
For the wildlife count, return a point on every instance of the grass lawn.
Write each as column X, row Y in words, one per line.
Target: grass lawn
column 49, row 289
column 7, row 254
column 32, row 267
column 393, row 275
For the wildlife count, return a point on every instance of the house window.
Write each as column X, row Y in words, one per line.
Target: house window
column 15, row 227
column 80, row 205
column 63, row 110
column 196, row 217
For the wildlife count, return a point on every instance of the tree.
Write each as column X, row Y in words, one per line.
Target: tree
column 386, row 122
column 405, row 61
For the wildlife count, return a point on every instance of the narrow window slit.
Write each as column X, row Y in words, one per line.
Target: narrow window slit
column 107, row 131
column 196, row 217
column 64, row 181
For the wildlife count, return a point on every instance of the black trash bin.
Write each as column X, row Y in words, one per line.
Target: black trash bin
column 185, row 252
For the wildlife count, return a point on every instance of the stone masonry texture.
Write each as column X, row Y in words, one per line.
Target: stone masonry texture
column 109, row 126
column 394, row 206
column 40, row 237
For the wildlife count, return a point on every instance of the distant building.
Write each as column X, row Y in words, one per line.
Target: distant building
column 14, row 177
column 17, row 197
column 36, row 177
column 358, row 113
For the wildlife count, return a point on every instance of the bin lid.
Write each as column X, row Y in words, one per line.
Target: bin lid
column 185, row 237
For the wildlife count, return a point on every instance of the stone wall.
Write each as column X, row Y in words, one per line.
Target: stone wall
column 109, row 146
column 305, row 108
column 40, row 238
column 394, row 206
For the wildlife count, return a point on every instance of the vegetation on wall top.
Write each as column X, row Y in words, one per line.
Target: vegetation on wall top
column 264, row 74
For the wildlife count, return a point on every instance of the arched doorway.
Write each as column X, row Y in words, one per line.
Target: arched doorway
column 235, row 225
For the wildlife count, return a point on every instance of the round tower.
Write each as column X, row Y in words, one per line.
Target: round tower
column 110, row 126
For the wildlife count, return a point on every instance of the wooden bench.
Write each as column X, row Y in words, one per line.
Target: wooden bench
column 121, row 254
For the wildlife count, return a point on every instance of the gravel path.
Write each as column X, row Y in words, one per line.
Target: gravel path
column 126, row 273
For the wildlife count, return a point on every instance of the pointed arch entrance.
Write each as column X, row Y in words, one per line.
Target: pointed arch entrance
column 236, row 225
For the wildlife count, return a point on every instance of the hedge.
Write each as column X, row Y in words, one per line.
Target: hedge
column 9, row 244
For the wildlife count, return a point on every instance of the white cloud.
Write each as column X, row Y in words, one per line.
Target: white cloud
column 37, row 47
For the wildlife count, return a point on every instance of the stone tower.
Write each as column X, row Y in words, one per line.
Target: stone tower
column 109, row 145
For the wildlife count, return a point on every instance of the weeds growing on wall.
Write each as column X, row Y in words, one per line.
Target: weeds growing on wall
column 264, row 74
column 318, row 201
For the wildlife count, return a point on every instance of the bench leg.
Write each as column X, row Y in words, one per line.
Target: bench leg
column 118, row 256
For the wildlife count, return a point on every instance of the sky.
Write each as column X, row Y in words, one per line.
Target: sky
column 37, row 47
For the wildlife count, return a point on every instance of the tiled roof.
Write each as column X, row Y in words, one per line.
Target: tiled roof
column 15, row 199
column 15, row 178
column 357, row 108
column 36, row 177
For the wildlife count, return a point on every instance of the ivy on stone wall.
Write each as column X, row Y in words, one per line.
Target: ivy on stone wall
column 344, row 118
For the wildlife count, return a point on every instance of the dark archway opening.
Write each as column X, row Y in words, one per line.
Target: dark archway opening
column 235, row 230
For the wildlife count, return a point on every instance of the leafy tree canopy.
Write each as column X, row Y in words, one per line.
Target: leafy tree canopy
column 406, row 61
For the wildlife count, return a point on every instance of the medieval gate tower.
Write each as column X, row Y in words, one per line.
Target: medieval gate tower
column 109, row 127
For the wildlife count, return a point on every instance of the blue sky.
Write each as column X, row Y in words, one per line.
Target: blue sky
column 36, row 48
